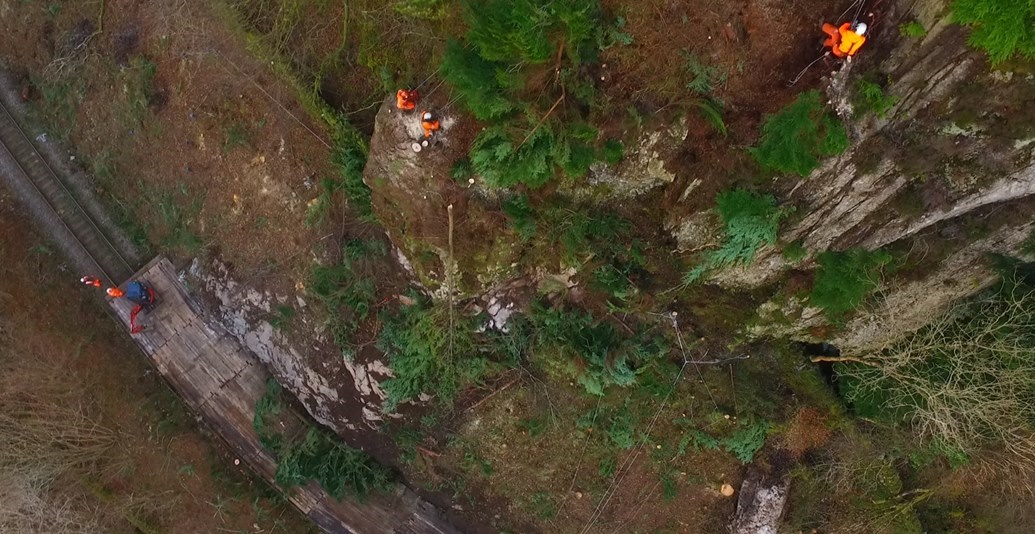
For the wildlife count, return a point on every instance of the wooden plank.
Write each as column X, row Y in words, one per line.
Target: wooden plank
column 222, row 381
column 225, row 368
column 252, row 379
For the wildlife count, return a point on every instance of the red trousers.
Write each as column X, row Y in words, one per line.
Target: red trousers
column 834, row 42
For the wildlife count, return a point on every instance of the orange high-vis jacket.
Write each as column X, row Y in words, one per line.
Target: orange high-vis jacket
column 430, row 125
column 406, row 100
column 851, row 42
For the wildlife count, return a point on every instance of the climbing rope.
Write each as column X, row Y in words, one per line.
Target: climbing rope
column 582, row 455
column 858, row 5
column 616, row 482
column 620, row 475
column 806, row 69
column 429, row 77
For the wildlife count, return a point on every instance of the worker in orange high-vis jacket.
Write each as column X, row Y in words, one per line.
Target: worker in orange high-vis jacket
column 92, row 281
column 430, row 123
column 406, row 99
column 138, row 293
column 846, row 40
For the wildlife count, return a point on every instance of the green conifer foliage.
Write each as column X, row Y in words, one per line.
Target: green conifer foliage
column 477, row 81
column 504, row 162
column 498, row 71
column 1002, row 28
column 845, row 279
column 750, row 221
column 794, row 139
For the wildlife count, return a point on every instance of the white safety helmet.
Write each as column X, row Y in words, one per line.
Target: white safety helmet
column 427, row 116
column 861, row 28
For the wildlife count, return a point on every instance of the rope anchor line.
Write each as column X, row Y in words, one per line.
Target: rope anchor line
column 621, row 473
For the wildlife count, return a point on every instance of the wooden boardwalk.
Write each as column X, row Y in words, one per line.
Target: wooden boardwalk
column 221, row 382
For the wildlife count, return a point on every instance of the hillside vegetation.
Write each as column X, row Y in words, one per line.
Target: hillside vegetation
column 608, row 288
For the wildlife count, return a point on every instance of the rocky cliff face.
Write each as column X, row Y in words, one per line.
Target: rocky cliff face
column 412, row 194
column 949, row 169
column 341, row 393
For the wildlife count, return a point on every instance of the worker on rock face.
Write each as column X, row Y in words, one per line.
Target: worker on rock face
column 406, row 100
column 845, row 41
column 430, row 123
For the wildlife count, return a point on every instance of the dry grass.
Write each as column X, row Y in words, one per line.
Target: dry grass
column 29, row 507
column 808, row 431
column 46, row 440
column 966, row 380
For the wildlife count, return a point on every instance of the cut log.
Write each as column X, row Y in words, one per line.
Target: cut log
column 763, row 496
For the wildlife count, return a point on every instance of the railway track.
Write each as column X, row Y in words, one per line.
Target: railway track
column 53, row 200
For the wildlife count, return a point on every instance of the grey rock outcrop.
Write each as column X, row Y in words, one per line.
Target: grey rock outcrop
column 940, row 156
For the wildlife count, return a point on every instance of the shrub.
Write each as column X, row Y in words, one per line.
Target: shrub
column 350, row 157
column 745, row 442
column 1002, row 28
column 498, row 67
column 750, row 220
column 712, row 112
column 794, row 139
column 612, row 280
column 429, row 353
column 613, row 151
column 614, row 34
column 912, row 29
column 516, row 153
column 845, row 279
column 461, row 171
column 281, row 316
column 338, row 468
column 702, row 76
column 542, row 505
column 509, row 33
column 504, row 161
column 316, row 212
column 591, row 351
column 510, row 30
column 582, row 343
column 701, row 441
column 581, row 233
column 622, row 432
column 794, row 252
column 870, row 97
column 347, row 289
column 481, row 85
column 935, row 449
column 266, row 409
column 575, row 152
column 319, row 455
column 521, row 216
